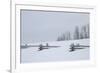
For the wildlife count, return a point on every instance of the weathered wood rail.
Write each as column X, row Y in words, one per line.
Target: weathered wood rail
column 27, row 46
column 74, row 47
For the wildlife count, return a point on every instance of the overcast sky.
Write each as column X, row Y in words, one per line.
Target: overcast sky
column 39, row 26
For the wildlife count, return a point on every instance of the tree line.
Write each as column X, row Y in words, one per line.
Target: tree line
column 82, row 32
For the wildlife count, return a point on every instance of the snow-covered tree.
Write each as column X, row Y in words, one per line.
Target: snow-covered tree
column 79, row 33
column 84, row 32
column 68, row 36
column 64, row 36
column 76, row 33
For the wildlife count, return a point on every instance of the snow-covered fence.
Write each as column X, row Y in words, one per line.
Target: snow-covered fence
column 78, row 46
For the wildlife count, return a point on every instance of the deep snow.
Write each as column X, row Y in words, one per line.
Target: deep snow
column 61, row 53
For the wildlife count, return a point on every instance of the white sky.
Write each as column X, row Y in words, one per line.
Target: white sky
column 39, row 26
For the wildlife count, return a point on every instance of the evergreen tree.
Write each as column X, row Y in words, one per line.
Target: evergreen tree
column 76, row 33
